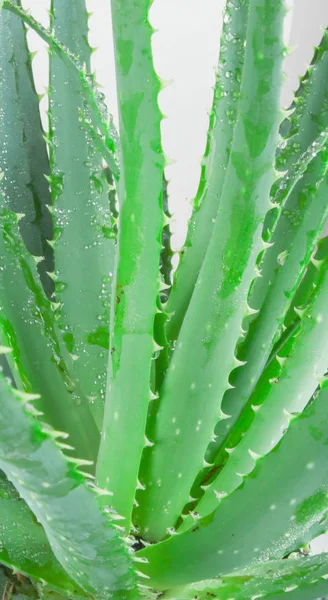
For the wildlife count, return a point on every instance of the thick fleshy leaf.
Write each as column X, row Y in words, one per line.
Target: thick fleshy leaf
column 292, row 228
column 198, row 374
column 284, row 389
column 303, row 296
column 100, row 126
column 81, row 212
column 214, row 167
column 309, row 283
column 23, row 543
column 136, row 283
column 38, row 361
column 23, row 155
column 299, row 578
column 309, row 110
column 293, row 243
column 82, row 536
column 279, row 507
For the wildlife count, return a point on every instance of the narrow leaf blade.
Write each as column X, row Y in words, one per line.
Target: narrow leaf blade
column 214, row 167
column 136, row 283
column 23, row 157
column 82, row 221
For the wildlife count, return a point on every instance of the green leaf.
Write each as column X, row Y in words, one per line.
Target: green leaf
column 101, row 127
column 284, row 389
column 81, row 212
column 309, row 110
column 136, row 283
column 167, row 252
column 297, row 223
column 309, row 283
column 23, row 543
column 303, row 296
column 160, row 363
column 204, row 354
column 302, row 579
column 38, row 360
column 214, row 166
column 294, row 239
column 82, row 537
column 23, row 159
column 279, row 507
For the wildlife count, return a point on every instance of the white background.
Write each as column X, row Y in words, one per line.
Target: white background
column 185, row 49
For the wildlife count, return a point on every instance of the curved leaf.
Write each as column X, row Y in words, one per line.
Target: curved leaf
column 302, row 579
column 279, row 507
column 82, row 537
column 23, row 544
column 28, row 326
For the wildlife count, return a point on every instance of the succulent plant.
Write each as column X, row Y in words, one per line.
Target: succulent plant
column 162, row 434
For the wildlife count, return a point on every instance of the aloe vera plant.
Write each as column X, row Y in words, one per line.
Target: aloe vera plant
column 162, row 435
